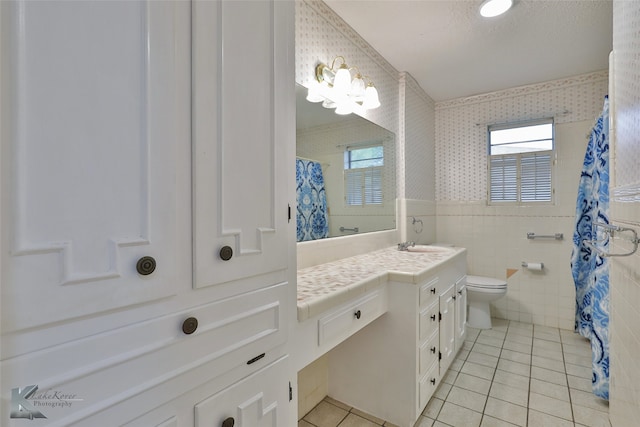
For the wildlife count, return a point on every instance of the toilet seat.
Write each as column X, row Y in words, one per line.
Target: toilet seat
column 482, row 282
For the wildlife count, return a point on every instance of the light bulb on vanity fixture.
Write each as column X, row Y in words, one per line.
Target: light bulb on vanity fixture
column 336, row 88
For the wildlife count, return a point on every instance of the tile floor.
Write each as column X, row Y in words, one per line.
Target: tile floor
column 515, row 374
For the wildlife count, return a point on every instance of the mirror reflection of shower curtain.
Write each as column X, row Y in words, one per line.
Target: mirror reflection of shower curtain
column 311, row 216
column 590, row 270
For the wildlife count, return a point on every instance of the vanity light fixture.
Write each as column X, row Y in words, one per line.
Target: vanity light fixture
column 491, row 8
column 336, row 88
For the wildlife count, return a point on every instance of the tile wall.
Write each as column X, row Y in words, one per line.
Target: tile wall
column 625, row 211
column 496, row 236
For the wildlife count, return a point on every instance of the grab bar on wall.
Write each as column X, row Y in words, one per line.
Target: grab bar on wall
column 354, row 229
column 557, row 236
column 624, row 233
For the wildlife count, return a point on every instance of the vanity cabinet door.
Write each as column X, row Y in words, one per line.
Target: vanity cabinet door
column 461, row 312
column 243, row 140
column 447, row 328
column 95, row 146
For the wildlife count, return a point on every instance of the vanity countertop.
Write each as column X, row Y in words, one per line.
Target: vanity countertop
column 324, row 286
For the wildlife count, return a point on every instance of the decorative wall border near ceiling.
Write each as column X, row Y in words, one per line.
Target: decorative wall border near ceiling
column 526, row 90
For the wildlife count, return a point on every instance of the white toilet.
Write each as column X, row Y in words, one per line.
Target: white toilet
column 480, row 292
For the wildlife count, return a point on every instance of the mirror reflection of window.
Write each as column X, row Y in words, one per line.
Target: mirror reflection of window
column 363, row 171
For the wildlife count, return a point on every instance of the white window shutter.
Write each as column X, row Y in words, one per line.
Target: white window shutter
column 504, row 178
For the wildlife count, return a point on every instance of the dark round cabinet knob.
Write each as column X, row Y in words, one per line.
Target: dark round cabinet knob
column 226, row 253
column 229, row 422
column 433, row 381
column 146, row 265
column 357, row 314
column 189, row 326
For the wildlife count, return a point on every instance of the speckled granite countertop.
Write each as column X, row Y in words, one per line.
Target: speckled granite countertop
column 324, row 286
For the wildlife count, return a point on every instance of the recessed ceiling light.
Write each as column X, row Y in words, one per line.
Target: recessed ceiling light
column 491, row 8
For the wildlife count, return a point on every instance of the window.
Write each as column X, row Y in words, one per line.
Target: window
column 363, row 175
column 520, row 162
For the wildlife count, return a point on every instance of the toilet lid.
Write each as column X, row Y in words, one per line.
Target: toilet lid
column 485, row 282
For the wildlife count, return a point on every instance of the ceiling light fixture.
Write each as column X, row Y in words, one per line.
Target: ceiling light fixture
column 336, row 88
column 491, row 8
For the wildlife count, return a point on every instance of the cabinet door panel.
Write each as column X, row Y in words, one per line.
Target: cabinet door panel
column 447, row 328
column 95, row 122
column 242, row 86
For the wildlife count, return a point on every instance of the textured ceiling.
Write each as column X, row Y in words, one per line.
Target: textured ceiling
column 453, row 52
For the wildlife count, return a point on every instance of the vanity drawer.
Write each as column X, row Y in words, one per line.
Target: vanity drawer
column 428, row 385
column 351, row 317
column 429, row 292
column 428, row 353
column 429, row 320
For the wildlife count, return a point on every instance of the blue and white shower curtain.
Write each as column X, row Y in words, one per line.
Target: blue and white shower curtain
column 312, row 219
column 590, row 270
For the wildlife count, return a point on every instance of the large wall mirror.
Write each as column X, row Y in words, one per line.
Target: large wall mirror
column 345, row 173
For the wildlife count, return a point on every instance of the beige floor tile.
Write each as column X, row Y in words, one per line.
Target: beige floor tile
column 580, row 350
column 548, row 375
column 549, row 354
column 578, row 371
column 486, row 349
column 439, row 424
column 509, row 394
column 488, row 421
column 366, row 416
column 590, row 417
column 544, row 362
column 547, row 345
column 326, row 415
column 520, row 339
column 339, row 404
column 516, row 356
column 580, row 360
column 433, row 408
column 547, row 336
column 443, row 389
column 550, row 405
column 303, row 423
column 354, row 420
column 467, row 399
column 506, row 411
column 588, row 400
column 513, row 380
column 388, row 424
column 514, row 367
column 482, row 359
column 493, row 333
column 456, row 365
column 489, row 340
column 473, row 383
column 455, row 415
column 450, row 377
column 477, row 370
column 583, row 384
column 424, row 422
column 540, row 419
column 549, row 389
column 516, row 346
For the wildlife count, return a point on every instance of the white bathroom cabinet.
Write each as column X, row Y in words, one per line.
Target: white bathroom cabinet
column 143, row 144
column 391, row 368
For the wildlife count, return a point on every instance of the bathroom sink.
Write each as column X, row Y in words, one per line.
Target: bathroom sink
column 428, row 249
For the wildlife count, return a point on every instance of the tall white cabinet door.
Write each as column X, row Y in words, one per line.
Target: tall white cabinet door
column 243, row 127
column 447, row 328
column 90, row 133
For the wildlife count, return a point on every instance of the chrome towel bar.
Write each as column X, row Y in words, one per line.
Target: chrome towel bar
column 557, row 236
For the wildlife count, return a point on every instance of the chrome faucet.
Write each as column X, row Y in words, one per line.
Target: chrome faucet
column 405, row 245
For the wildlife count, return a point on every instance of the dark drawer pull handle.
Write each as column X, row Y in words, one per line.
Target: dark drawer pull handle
column 255, row 359
column 226, row 253
column 229, row 422
column 433, row 291
column 146, row 265
column 357, row 314
column 433, row 317
column 190, row 325
column 459, row 292
column 454, row 297
column 433, row 350
column 432, row 381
